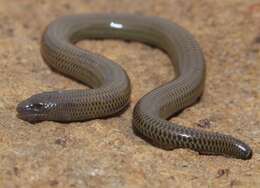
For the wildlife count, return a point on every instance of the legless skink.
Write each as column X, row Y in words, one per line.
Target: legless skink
column 111, row 87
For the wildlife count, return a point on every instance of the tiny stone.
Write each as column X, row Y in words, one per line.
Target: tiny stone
column 204, row 123
column 61, row 141
column 257, row 39
column 222, row 172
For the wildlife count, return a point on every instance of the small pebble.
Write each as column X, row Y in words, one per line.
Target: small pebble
column 204, row 123
column 222, row 172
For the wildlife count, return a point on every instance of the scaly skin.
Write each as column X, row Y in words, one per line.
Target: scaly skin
column 111, row 87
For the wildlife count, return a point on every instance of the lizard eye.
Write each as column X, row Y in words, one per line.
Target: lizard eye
column 35, row 107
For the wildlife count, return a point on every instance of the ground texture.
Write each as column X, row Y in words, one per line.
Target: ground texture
column 106, row 153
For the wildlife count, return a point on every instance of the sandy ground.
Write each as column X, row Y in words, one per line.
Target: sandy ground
column 106, row 153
